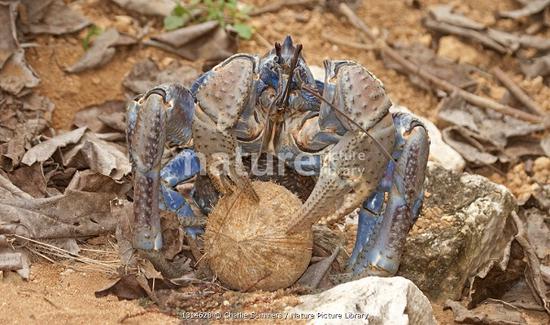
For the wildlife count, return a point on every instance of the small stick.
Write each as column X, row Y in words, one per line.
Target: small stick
column 343, row 42
column 517, row 91
column 281, row 4
column 443, row 84
column 263, row 40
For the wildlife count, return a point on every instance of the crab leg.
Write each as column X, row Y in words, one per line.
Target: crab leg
column 164, row 113
column 222, row 97
column 380, row 238
column 354, row 166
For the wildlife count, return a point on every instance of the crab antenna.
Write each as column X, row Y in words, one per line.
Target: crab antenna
column 278, row 51
column 378, row 144
column 293, row 64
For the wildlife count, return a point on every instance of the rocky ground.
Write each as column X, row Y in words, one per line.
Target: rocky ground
column 63, row 291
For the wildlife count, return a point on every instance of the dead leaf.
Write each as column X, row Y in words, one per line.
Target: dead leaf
column 23, row 119
column 126, row 287
column 539, row 66
column 45, row 150
column 91, row 181
column 531, row 8
column 15, row 260
column 315, row 273
column 514, row 42
column 16, row 74
column 135, row 286
column 74, row 214
column 488, row 313
column 30, row 179
column 101, row 156
column 96, row 117
column 533, row 273
column 521, row 296
column 443, row 13
column 123, row 212
column 101, row 52
column 483, row 137
column 52, row 17
column 8, row 33
column 146, row 74
column 427, row 59
column 158, row 8
column 470, row 149
column 67, row 244
column 207, row 41
column 474, row 35
column 9, row 191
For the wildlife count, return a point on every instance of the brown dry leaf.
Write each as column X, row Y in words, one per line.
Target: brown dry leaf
column 91, row 181
column 443, row 13
column 16, row 74
column 97, row 117
column 488, row 313
column 207, row 41
column 21, row 121
column 135, row 286
column 539, row 66
column 146, row 74
column 443, row 20
column 123, row 212
column 73, row 214
column 315, row 273
column 426, row 59
column 467, row 146
column 101, row 52
column 533, row 273
column 15, row 260
column 8, row 34
column 514, row 42
column 46, row 149
column 9, row 191
column 126, row 287
column 531, row 8
column 30, row 179
column 475, row 35
column 482, row 136
column 99, row 155
column 52, row 17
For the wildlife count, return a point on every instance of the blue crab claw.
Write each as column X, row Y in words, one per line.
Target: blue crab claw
column 164, row 113
column 382, row 230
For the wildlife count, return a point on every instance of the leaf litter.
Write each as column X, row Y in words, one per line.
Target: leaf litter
column 77, row 171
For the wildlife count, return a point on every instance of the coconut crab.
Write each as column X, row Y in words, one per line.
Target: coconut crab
column 338, row 131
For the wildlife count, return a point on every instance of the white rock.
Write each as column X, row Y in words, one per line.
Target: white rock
column 440, row 152
column 371, row 300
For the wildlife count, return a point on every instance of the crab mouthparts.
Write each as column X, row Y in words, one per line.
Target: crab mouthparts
column 293, row 62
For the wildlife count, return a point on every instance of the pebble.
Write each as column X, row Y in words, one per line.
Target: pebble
column 96, row 80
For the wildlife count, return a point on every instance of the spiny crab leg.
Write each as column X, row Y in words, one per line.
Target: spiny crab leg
column 163, row 113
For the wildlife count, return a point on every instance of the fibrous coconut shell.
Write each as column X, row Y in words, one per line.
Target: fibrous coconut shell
column 246, row 243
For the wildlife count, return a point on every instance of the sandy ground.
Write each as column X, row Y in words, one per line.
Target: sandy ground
column 57, row 294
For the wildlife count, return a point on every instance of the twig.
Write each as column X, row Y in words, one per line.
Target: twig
column 338, row 41
column 443, row 84
column 517, row 91
column 281, row 4
column 464, row 32
column 263, row 40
